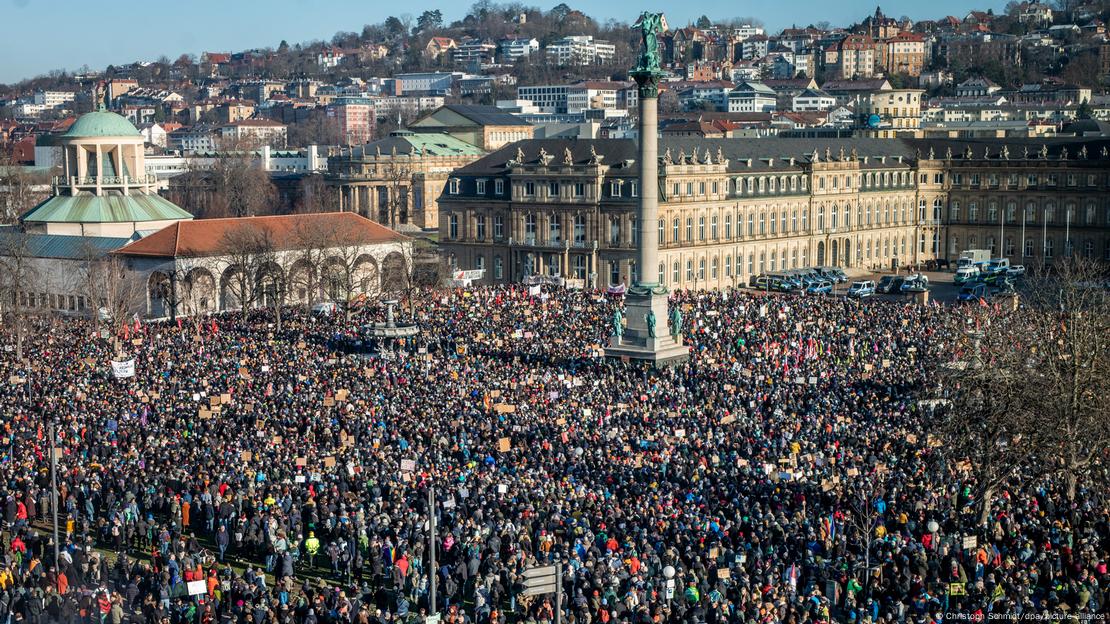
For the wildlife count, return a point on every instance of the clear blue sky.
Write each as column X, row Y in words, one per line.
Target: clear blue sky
column 40, row 35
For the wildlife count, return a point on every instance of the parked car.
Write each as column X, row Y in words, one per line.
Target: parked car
column 890, row 284
column 832, row 274
column 972, row 292
column 820, row 288
column 915, row 283
column 1016, row 270
column 760, row 281
column 859, row 290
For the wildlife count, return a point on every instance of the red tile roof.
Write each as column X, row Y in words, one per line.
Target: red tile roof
column 205, row 237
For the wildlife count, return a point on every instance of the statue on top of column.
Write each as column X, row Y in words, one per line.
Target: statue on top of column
column 650, row 25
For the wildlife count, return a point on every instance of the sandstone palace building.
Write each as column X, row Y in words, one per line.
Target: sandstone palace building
column 730, row 209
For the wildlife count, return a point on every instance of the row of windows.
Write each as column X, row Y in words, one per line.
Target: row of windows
column 49, row 301
column 711, row 228
column 1046, row 213
column 1044, row 247
column 1013, row 180
column 749, row 185
column 716, row 266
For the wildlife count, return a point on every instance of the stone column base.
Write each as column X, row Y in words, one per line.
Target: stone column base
column 636, row 344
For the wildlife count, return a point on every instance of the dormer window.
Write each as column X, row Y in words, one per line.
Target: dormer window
column 453, row 186
column 481, row 187
column 499, row 187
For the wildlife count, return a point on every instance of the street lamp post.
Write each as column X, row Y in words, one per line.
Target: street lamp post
column 54, row 490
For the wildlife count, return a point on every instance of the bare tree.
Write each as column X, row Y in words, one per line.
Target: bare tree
column 985, row 421
column 255, row 277
column 346, row 274
column 18, row 282
column 863, row 519
column 316, row 195
column 1068, row 323
column 112, row 290
column 19, row 190
column 395, row 209
column 312, row 238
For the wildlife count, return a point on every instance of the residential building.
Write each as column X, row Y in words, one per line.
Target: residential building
column 513, row 50
column 580, row 50
column 54, row 99
column 813, row 100
column 976, row 50
column 580, row 96
column 425, row 83
column 903, row 53
column 474, row 53
column 352, row 120
column 979, row 86
column 852, row 57
column 330, row 58
column 752, row 97
column 256, row 131
column 892, row 113
column 438, row 46
column 1035, row 13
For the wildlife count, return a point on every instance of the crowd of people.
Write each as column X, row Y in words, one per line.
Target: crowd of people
column 786, row 473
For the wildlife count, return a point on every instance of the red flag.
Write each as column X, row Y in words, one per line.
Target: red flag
column 982, row 302
column 215, row 328
column 179, row 323
column 126, row 331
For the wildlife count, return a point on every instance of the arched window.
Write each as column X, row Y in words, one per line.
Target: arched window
column 714, row 267
column 728, row 266
column 676, row 275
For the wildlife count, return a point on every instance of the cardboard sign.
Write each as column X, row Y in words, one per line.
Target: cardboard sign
column 214, row 401
column 301, row 461
column 504, row 445
column 723, row 573
column 329, row 401
column 225, row 398
column 276, row 440
column 329, row 462
column 504, row 408
column 970, row 542
column 204, row 414
column 246, row 455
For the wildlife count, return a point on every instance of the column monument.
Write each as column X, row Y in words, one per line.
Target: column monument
column 652, row 333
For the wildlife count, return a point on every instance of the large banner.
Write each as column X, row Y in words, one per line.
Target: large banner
column 123, row 369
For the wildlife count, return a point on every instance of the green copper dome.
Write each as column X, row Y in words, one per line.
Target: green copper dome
column 101, row 124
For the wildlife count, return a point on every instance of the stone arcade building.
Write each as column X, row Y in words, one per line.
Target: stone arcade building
column 193, row 268
column 730, row 209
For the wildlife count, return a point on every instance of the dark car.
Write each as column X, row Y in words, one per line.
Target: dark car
column 890, row 284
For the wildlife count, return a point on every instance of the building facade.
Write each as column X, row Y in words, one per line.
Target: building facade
column 731, row 210
column 398, row 181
